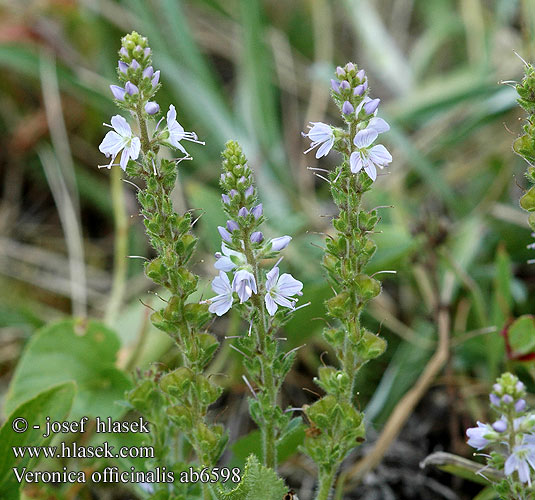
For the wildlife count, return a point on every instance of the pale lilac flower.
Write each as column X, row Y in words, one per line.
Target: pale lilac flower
column 280, row 243
column 521, row 458
column 225, row 198
column 520, row 386
column 368, row 157
column 320, row 133
column 371, row 106
column 152, row 107
column 123, row 52
column 476, row 435
column 249, row 191
column 177, row 133
column 281, row 290
column 224, row 234
column 340, row 71
column 222, row 302
column 130, row 88
column 507, row 399
column 148, row 72
column 350, row 66
column 123, row 67
column 244, row 284
column 120, row 138
column 229, row 260
column 134, row 64
column 232, row 193
column 257, row 237
column 243, row 212
column 361, row 74
column 344, row 85
column 118, row 92
column 347, row 108
column 147, row 52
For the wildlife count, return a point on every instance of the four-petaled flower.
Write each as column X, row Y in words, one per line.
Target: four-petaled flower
column 521, row 458
column 320, row 133
column 222, row 302
column 177, row 132
column 229, row 260
column 244, row 284
column 120, row 138
column 281, row 290
column 366, row 157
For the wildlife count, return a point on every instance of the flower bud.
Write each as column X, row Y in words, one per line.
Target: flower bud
column 138, row 48
column 335, row 85
column 225, row 198
column 520, row 405
column 280, row 243
column 350, row 67
column 224, row 234
column 146, row 52
column 232, row 225
column 365, row 85
column 347, row 108
column 495, row 400
column 249, row 191
column 148, row 72
column 243, row 212
column 130, row 88
column 155, row 79
column 123, row 52
column 497, row 388
column 257, row 211
column 371, row 106
column 340, row 71
column 500, row 426
column 507, row 399
column 361, row 74
column 123, row 67
column 520, row 387
column 118, row 92
column 344, row 85
column 152, row 107
column 257, row 237
column 242, row 180
column 359, row 90
column 134, row 64
column 233, row 193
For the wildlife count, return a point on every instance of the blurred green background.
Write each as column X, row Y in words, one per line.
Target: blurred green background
column 258, row 71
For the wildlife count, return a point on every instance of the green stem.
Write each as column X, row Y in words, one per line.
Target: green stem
column 268, row 430
column 121, row 247
column 326, row 480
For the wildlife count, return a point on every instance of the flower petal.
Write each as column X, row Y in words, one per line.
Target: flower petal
column 378, row 124
column 224, row 264
column 272, row 277
column 121, row 126
column 221, row 284
column 364, row 138
column 271, row 306
column 324, row 149
column 380, row 155
column 220, row 304
column 355, row 162
column 112, row 144
column 288, row 285
column 371, row 170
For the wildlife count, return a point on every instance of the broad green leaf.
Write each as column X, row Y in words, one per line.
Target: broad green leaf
column 258, row 483
column 521, row 335
column 82, row 351
column 54, row 403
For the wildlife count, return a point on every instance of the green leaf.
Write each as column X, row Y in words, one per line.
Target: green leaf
column 258, row 483
column 84, row 352
column 54, row 403
column 521, row 335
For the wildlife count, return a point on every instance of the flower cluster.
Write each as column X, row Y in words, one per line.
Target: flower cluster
column 350, row 92
column 140, row 84
column 177, row 401
column 511, row 437
column 336, row 425
column 265, row 300
column 244, row 244
column 525, row 145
